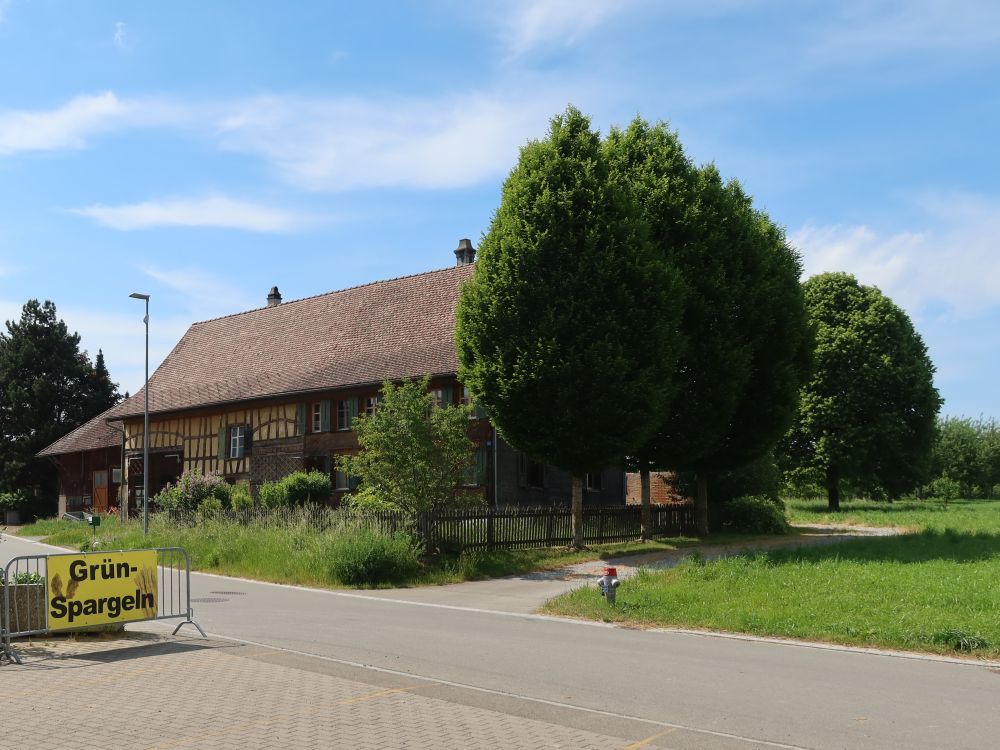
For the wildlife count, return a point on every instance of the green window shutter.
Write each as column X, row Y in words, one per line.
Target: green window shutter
column 352, row 409
column 222, row 442
column 353, row 482
column 324, row 416
column 447, row 396
column 327, row 463
column 300, row 418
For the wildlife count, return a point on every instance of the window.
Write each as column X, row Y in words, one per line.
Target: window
column 237, row 441
column 371, row 404
column 475, row 472
column 438, row 394
column 595, row 481
column 317, row 417
column 466, row 398
column 536, row 474
column 344, row 415
column 340, row 480
column 529, row 473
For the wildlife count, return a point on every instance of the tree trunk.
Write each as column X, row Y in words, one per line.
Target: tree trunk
column 577, row 484
column 832, row 490
column 647, row 510
column 701, row 505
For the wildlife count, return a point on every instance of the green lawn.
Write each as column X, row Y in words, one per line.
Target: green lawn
column 300, row 555
column 934, row 589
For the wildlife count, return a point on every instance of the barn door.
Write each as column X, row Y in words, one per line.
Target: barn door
column 100, row 493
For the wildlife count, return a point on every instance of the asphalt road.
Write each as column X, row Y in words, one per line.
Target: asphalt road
column 711, row 692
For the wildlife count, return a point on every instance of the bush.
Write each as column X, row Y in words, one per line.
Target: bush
column 307, row 487
column 210, row 508
column 367, row 557
column 272, row 495
column 754, row 514
column 193, row 489
column 945, row 489
column 240, row 497
column 298, row 488
column 11, row 501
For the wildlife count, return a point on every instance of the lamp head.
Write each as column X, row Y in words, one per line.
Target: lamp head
column 136, row 295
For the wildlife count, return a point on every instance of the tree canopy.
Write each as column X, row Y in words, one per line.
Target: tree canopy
column 746, row 334
column 967, row 452
column 868, row 412
column 568, row 333
column 48, row 387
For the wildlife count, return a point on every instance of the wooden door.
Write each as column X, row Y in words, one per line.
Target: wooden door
column 100, row 492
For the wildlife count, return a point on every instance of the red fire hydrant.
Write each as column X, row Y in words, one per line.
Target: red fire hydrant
column 608, row 584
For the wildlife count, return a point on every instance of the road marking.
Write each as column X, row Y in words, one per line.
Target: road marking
column 643, row 743
column 505, row 694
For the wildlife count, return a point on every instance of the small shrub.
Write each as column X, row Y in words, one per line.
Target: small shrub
column 11, row 501
column 944, row 488
column 960, row 640
column 240, row 497
column 193, row 489
column 273, row 495
column 25, row 577
column 307, row 487
column 367, row 557
column 754, row 514
column 210, row 508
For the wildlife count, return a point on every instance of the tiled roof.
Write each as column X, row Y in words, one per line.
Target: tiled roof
column 390, row 329
column 96, row 433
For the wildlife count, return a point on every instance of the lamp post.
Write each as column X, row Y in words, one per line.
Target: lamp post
column 145, row 424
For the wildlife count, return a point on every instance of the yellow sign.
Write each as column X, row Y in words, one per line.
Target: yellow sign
column 101, row 588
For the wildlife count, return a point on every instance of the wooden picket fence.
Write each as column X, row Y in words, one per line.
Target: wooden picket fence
column 474, row 528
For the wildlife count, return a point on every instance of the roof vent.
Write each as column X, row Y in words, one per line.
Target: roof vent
column 465, row 253
column 274, row 297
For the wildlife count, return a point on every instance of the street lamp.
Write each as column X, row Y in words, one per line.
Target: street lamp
column 145, row 424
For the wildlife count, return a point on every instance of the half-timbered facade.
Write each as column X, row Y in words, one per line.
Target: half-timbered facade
column 257, row 395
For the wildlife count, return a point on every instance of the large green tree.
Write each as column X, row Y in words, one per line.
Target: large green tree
column 48, row 387
column 744, row 320
column 868, row 412
column 568, row 332
column 414, row 455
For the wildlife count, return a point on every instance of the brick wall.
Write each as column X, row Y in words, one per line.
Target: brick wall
column 662, row 489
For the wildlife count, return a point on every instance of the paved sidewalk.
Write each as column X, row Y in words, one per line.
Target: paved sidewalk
column 145, row 690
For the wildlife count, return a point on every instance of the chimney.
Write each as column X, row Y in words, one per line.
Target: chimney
column 465, row 253
column 274, row 297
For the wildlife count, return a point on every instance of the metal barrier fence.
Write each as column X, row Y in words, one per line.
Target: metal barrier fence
column 45, row 593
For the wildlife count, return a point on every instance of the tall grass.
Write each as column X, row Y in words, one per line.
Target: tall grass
column 297, row 551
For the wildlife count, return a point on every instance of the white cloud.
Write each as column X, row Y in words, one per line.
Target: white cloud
column 346, row 144
column 862, row 30
column 211, row 211
column 121, row 36
column 201, row 293
column 69, row 126
column 529, row 24
column 953, row 260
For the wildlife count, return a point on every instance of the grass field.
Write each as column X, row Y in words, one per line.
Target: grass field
column 301, row 555
column 933, row 589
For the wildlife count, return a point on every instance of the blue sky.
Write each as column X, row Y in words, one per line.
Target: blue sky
column 203, row 152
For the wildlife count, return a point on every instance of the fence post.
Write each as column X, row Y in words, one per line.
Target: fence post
column 550, row 527
column 490, row 530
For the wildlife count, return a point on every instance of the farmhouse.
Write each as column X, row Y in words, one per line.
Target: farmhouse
column 259, row 394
